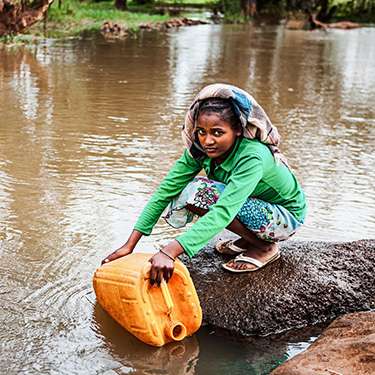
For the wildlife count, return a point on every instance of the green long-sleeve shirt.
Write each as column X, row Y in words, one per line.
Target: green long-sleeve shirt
column 249, row 170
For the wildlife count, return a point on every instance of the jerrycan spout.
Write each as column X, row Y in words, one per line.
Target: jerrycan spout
column 176, row 331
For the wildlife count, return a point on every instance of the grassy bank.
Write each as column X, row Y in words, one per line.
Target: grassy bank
column 75, row 17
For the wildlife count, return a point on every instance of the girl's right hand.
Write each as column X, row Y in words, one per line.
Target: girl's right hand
column 122, row 251
column 126, row 249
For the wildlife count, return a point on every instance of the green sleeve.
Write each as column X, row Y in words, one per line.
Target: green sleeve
column 245, row 177
column 184, row 170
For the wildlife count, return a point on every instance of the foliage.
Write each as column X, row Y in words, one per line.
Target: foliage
column 71, row 17
column 352, row 9
column 232, row 10
column 143, row 2
column 188, row 2
column 359, row 10
column 17, row 40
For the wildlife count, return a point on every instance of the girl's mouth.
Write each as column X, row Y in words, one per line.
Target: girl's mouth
column 210, row 149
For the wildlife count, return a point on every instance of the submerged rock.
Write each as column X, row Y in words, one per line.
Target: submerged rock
column 312, row 282
column 347, row 346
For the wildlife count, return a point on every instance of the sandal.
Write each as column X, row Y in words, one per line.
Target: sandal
column 245, row 259
column 228, row 247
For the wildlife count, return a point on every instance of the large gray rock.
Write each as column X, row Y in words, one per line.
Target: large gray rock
column 347, row 346
column 312, row 282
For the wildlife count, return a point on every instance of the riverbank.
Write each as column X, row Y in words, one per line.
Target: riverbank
column 70, row 18
column 73, row 17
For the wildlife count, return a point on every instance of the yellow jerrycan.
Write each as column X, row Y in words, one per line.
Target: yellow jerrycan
column 155, row 315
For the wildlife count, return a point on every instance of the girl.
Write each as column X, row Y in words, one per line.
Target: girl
column 249, row 188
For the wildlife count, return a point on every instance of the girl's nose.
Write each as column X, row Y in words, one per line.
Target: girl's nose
column 209, row 140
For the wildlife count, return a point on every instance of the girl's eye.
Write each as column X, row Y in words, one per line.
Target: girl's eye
column 218, row 133
column 200, row 131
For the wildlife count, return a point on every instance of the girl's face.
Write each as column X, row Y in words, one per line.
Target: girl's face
column 216, row 136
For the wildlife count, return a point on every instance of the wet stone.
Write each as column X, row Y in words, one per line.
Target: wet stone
column 312, row 282
column 347, row 346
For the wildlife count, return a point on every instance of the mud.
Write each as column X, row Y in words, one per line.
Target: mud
column 312, row 282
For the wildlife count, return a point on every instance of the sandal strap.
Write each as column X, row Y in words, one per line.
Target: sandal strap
column 233, row 247
column 245, row 259
column 223, row 243
column 230, row 245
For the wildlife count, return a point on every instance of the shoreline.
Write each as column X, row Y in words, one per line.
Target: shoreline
column 75, row 19
column 119, row 31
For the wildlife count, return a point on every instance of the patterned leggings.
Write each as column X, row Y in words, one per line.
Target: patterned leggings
column 270, row 222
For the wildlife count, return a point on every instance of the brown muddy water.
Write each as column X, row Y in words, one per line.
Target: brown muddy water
column 89, row 127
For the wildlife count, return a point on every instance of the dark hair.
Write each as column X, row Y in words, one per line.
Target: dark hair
column 223, row 108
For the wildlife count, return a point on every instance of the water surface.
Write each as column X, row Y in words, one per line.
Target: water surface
column 89, row 127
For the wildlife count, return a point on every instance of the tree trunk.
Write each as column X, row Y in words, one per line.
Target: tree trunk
column 121, row 4
column 323, row 12
column 15, row 18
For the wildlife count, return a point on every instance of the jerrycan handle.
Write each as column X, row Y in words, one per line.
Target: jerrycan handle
column 167, row 296
column 164, row 290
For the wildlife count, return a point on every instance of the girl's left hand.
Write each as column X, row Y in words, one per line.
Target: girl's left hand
column 161, row 268
column 162, row 265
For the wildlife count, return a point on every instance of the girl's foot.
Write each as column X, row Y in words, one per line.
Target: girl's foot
column 240, row 242
column 262, row 256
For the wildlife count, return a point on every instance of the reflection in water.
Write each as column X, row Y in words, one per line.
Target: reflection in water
column 189, row 62
column 178, row 358
column 207, row 352
column 88, row 128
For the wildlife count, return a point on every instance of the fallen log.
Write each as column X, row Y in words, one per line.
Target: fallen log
column 311, row 22
column 16, row 17
column 312, row 282
column 345, row 25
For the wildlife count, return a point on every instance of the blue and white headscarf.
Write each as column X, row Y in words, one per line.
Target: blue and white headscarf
column 254, row 120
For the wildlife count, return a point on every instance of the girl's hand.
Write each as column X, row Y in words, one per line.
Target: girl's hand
column 122, row 251
column 161, row 268
column 126, row 249
column 162, row 263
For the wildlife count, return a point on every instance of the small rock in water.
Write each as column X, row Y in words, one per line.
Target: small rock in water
column 113, row 30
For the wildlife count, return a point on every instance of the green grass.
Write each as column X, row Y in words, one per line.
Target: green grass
column 75, row 17
column 187, row 2
column 15, row 41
